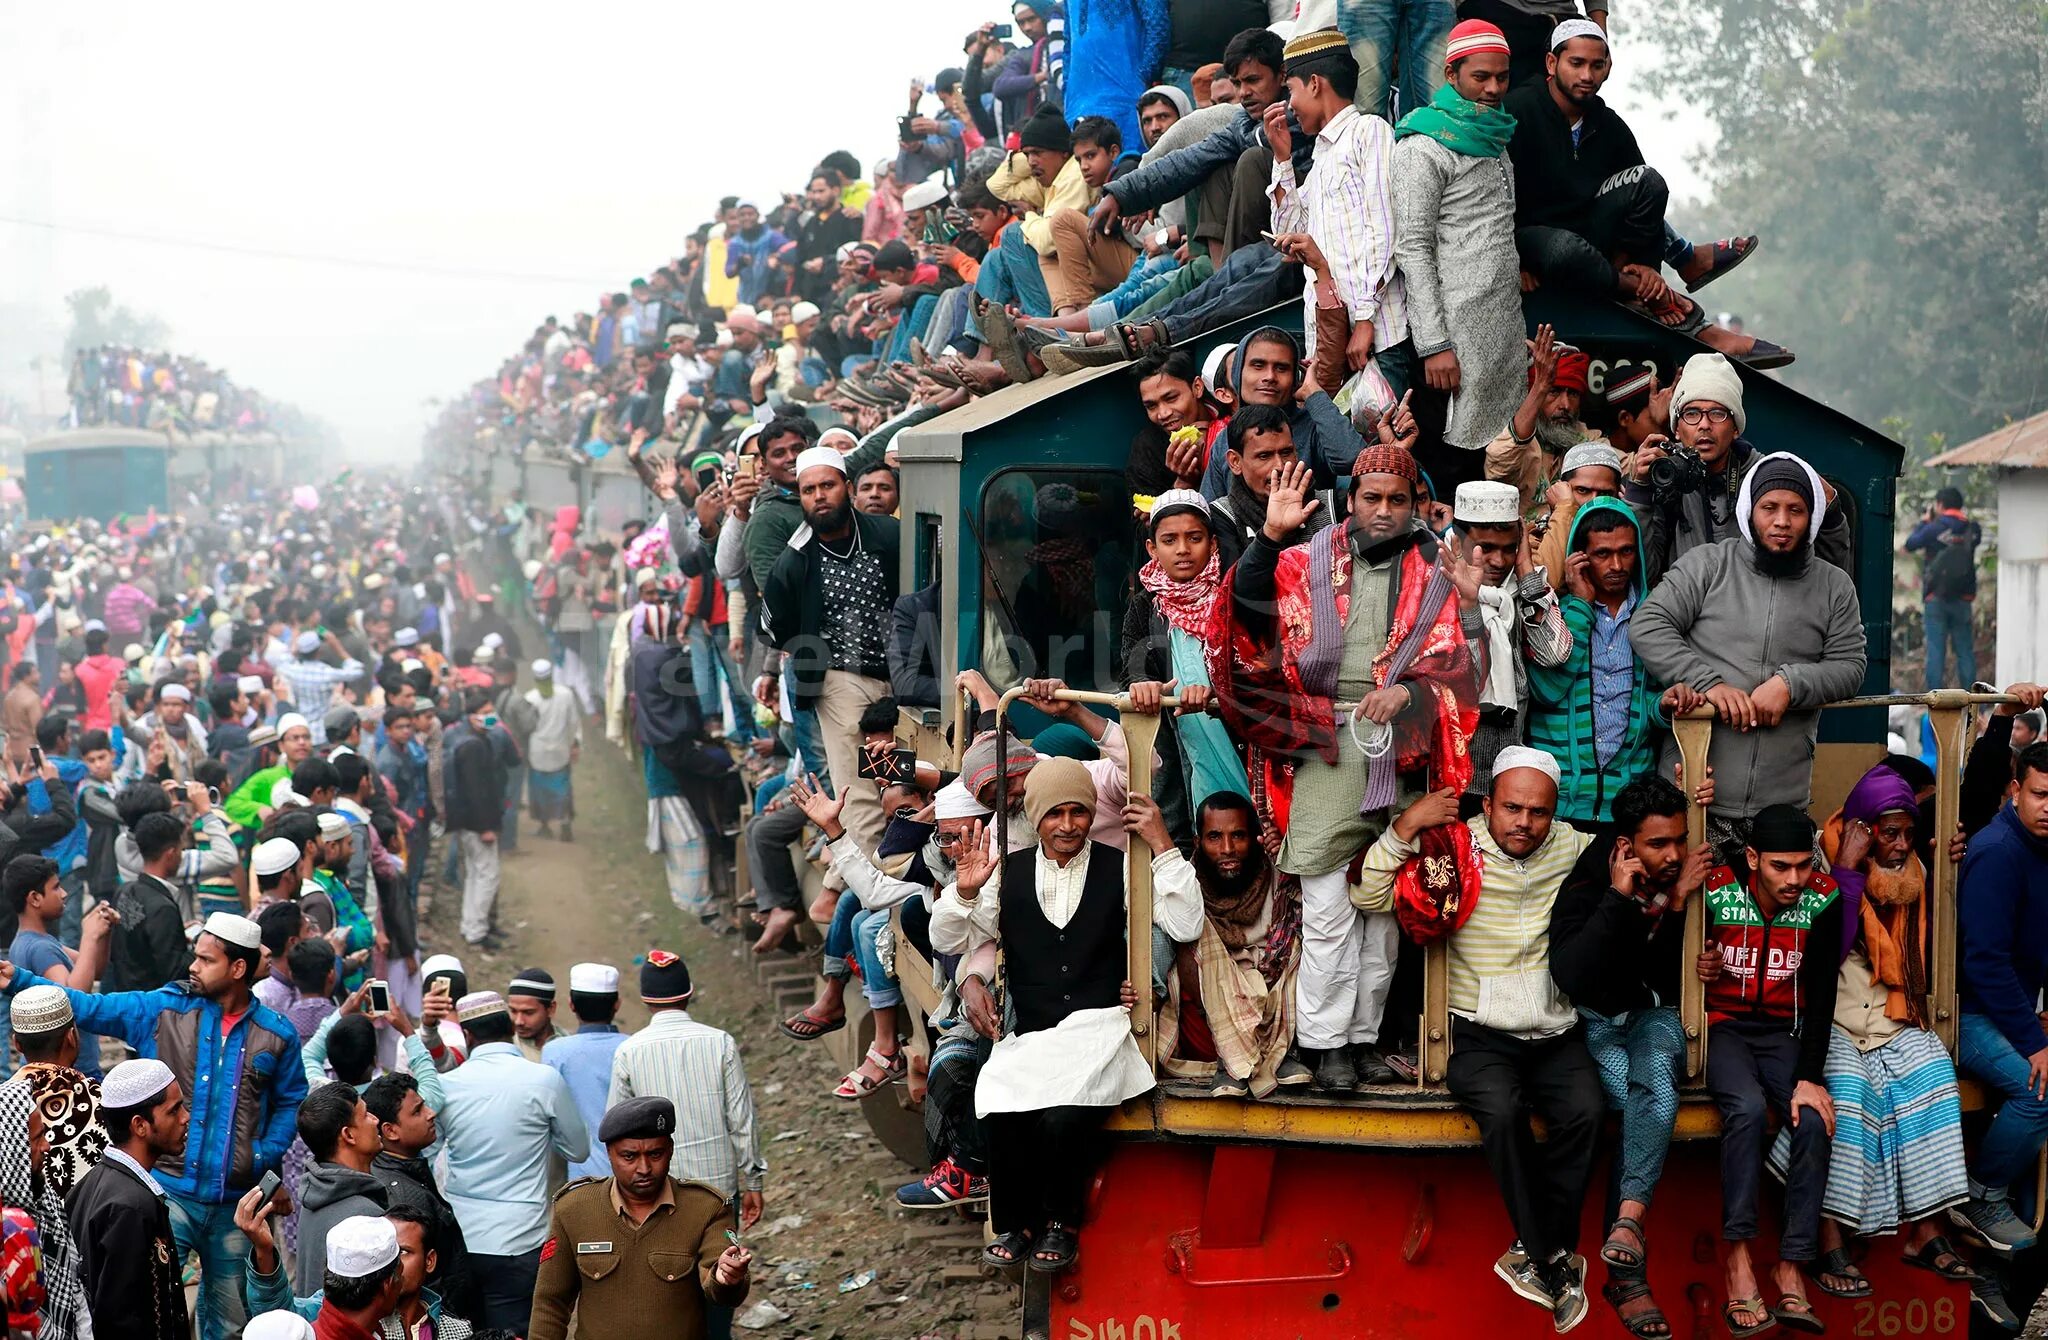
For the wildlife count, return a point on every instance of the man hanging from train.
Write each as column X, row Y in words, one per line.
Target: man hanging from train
column 1360, row 614
column 1517, row 1045
column 1773, row 947
column 1049, row 1085
column 1768, row 634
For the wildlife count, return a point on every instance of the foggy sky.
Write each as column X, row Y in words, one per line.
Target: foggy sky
column 484, row 164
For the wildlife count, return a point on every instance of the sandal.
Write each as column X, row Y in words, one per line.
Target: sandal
column 1798, row 1314
column 1930, row 1258
column 1726, row 254
column 808, row 1027
column 1755, row 1308
column 1006, row 1250
column 1619, row 1254
column 999, row 333
column 1648, row 1324
column 1764, row 355
column 1057, row 1251
column 1838, row 1264
column 857, row 1085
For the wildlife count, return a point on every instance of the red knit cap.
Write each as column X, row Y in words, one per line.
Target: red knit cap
column 1573, row 367
column 1472, row 37
column 1384, row 460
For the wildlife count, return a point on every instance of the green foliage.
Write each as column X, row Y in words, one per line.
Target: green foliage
column 96, row 319
column 1891, row 157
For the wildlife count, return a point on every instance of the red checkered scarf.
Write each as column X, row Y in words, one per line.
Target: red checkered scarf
column 1184, row 605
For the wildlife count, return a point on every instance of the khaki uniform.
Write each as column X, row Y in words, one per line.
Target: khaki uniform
column 626, row 1282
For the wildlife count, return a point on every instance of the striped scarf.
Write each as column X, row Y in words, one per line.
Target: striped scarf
column 24, row 1188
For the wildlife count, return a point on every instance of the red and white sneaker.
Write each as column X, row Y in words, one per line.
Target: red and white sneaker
column 947, row 1184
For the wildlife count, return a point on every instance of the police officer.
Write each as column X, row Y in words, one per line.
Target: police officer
column 638, row 1254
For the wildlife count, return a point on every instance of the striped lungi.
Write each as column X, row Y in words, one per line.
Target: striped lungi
column 1898, row 1147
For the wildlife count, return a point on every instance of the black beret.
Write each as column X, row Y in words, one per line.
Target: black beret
column 664, row 978
column 648, row 1118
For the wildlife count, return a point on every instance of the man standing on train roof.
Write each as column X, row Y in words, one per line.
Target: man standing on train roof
column 1517, row 1045
column 1364, row 614
column 1768, row 633
column 2002, row 904
column 1771, row 968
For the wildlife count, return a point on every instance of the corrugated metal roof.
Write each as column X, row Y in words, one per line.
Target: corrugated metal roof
column 2017, row 446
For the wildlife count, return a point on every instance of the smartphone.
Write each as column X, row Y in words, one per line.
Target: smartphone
column 749, row 466
column 35, row 757
column 380, row 997
column 1001, row 30
column 213, row 794
column 708, row 476
column 1269, row 237
column 898, row 765
column 268, row 1186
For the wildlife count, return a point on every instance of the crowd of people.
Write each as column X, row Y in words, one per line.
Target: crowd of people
column 1417, row 614
column 158, row 390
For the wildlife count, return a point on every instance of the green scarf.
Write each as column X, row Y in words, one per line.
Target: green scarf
column 1460, row 125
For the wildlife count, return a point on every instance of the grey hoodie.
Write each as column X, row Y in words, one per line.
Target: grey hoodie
column 329, row 1194
column 1716, row 619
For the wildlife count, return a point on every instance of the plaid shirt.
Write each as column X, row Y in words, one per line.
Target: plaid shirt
column 313, row 683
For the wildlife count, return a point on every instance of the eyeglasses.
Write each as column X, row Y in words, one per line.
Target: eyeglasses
column 1699, row 414
column 946, row 839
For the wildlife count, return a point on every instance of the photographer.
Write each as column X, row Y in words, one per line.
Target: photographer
column 1685, row 487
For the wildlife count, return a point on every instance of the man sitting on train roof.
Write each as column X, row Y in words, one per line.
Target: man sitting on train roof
column 1689, row 509
column 2002, row 904
column 1049, row 1084
column 1360, row 613
column 1228, row 1005
column 1589, row 212
column 1768, row 634
column 1516, row 1043
column 1774, row 944
column 1617, row 948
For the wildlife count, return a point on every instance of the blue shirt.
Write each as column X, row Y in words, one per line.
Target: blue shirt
column 39, row 953
column 506, row 1120
column 584, row 1061
column 1614, row 677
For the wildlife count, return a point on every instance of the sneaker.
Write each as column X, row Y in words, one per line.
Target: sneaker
column 946, row 1185
column 1334, row 1072
column 1988, row 1299
column 1993, row 1223
column 1373, row 1069
column 1568, row 1284
column 1292, row 1073
column 1226, row 1085
column 1519, row 1273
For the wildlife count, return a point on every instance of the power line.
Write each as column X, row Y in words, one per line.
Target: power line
column 266, row 253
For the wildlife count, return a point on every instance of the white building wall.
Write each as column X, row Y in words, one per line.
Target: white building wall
column 2022, row 616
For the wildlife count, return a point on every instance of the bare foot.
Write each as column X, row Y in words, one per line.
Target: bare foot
column 774, row 927
column 824, row 905
column 1727, row 341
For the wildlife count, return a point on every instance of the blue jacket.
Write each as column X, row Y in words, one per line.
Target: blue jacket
column 245, row 1088
column 2002, row 898
column 69, row 852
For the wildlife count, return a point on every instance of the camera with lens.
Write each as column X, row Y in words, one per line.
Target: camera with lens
column 1678, row 472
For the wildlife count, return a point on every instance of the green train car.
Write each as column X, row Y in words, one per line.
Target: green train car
column 105, row 472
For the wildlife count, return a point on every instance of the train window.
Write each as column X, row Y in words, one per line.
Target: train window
column 1057, row 553
column 925, row 558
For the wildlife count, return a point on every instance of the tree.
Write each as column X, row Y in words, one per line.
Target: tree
column 96, row 320
column 1890, row 156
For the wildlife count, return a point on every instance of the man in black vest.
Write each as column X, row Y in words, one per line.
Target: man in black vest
column 118, row 1214
column 1045, row 1092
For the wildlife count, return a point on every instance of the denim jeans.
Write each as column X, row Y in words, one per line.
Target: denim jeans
column 1750, row 1074
column 1638, row 1060
column 1251, row 279
column 877, row 983
column 515, row 791
column 1010, row 274
column 914, row 322
column 949, row 320
column 711, row 659
column 1149, row 275
column 1949, row 624
column 839, row 936
column 2014, row 1139
column 810, row 740
column 210, row 1230
column 1391, row 38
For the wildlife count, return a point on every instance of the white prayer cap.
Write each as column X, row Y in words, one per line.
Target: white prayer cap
column 543, row 668
column 1570, row 28
column 493, row 640
column 802, row 312
column 481, row 656
column 274, row 855
column 834, row 433
column 1521, row 756
column 479, row 1005
column 175, row 693
column 1593, row 451
column 1212, row 363
column 441, row 963
column 235, row 930
column 306, row 643
column 406, row 637
column 955, row 801
column 1485, row 502
column 747, row 434
column 360, row 1246
column 40, row 1009
column 373, row 581
column 133, row 652
column 594, row 979
column 812, row 458
column 290, row 721
column 440, row 559
column 644, row 576
column 332, row 826
column 249, row 683
column 278, row 1326
column 409, row 665
column 133, row 1083
column 925, row 194
column 530, row 569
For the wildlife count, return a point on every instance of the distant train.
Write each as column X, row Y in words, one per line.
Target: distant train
column 106, row 472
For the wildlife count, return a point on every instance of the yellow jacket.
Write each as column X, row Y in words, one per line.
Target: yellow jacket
column 1013, row 182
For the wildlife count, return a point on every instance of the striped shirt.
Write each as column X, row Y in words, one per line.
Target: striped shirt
column 1347, row 206
column 696, row 1067
column 313, row 684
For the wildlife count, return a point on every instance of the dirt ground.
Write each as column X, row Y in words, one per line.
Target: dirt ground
column 602, row 898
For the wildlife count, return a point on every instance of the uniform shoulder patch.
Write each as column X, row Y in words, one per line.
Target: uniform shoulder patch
column 577, row 1185
column 549, row 1248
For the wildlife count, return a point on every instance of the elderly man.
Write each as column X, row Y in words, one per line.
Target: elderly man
column 1774, row 944
column 1359, row 614
column 1768, row 634
column 1692, row 509
column 1528, row 452
column 1048, row 1086
column 183, row 736
column 1517, row 1045
column 1454, row 217
column 639, row 1254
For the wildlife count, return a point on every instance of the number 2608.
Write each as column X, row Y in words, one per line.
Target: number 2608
column 1915, row 1316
